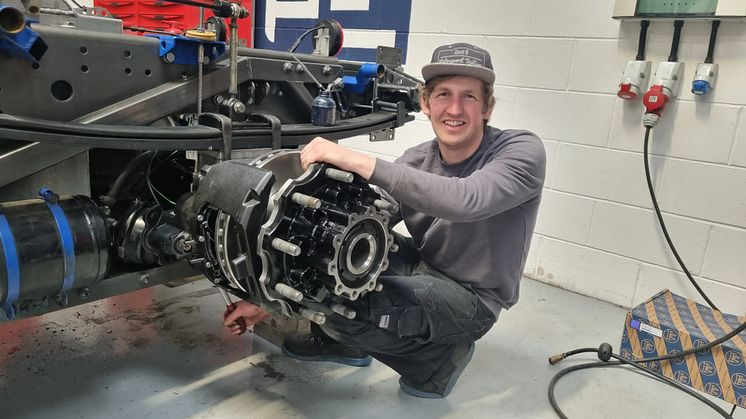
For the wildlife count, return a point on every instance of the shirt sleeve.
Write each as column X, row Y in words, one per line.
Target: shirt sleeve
column 513, row 176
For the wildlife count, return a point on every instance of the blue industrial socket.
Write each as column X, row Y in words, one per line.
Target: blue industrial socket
column 700, row 87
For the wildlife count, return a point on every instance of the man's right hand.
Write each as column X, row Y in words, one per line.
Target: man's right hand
column 251, row 313
column 323, row 150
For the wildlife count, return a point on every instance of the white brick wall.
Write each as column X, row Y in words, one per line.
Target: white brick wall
column 558, row 65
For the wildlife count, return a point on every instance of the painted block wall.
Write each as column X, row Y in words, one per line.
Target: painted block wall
column 558, row 66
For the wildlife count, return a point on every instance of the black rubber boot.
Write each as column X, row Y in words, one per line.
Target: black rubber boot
column 319, row 347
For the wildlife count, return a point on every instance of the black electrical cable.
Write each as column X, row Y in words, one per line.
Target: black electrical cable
column 713, row 37
column 677, row 25
column 643, row 40
column 139, row 29
column 604, row 353
column 125, row 179
column 297, row 42
column 217, row 6
column 663, row 224
column 81, row 7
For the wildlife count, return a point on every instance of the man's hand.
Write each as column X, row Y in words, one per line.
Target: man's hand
column 325, row 151
column 252, row 314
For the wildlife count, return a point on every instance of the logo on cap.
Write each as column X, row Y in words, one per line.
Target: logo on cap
column 461, row 55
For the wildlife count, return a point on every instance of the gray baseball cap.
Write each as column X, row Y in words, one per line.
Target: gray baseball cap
column 460, row 60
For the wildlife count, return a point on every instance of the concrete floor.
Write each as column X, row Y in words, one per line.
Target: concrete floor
column 162, row 353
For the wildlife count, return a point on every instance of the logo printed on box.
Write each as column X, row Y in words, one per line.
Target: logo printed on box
column 700, row 343
column 734, row 358
column 671, row 336
column 678, row 359
column 647, row 345
column 741, row 401
column 713, row 389
column 681, row 377
column 626, row 353
column 739, row 380
column 707, row 368
column 655, row 366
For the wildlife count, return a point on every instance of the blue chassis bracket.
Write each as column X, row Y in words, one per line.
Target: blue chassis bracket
column 185, row 49
column 26, row 44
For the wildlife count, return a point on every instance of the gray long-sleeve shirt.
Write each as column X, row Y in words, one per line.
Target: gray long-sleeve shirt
column 472, row 220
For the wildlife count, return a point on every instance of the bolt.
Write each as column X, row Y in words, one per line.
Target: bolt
column 208, row 265
column 326, row 70
column 289, row 292
column 286, row 247
column 314, row 316
column 300, row 69
column 201, row 239
column 239, row 107
column 84, row 292
column 144, row 278
column 344, row 311
column 305, row 200
column 200, row 218
column 287, row 67
column 169, row 57
column 339, row 175
column 384, row 205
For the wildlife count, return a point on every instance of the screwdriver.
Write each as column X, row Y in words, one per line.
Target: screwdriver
column 230, row 307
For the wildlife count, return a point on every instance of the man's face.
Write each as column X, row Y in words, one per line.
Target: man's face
column 457, row 112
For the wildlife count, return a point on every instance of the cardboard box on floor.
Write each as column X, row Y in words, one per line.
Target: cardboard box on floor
column 668, row 324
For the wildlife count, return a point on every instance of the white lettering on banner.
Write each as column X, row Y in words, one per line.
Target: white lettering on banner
column 308, row 9
column 363, row 38
column 349, row 5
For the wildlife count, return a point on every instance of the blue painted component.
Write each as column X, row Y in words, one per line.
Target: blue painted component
column 185, row 49
column 358, row 82
column 26, row 44
column 700, row 87
column 66, row 236
column 12, row 265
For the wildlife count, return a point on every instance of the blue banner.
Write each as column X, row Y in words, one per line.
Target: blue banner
column 367, row 24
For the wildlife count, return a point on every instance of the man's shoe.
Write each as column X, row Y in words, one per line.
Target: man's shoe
column 442, row 382
column 322, row 348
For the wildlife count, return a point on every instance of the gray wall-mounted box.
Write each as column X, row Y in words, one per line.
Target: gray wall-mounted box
column 680, row 9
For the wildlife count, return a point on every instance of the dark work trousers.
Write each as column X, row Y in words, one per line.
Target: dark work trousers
column 414, row 324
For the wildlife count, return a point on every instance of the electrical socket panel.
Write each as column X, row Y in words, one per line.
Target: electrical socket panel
column 679, row 9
